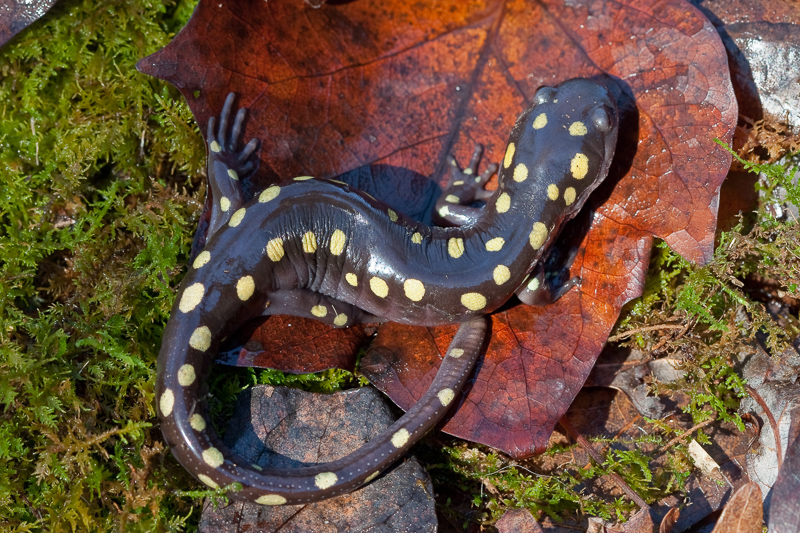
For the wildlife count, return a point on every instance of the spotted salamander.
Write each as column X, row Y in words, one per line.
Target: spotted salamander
column 320, row 249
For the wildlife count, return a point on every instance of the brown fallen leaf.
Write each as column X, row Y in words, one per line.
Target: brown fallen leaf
column 774, row 395
column 518, row 521
column 668, row 522
column 743, row 513
column 783, row 514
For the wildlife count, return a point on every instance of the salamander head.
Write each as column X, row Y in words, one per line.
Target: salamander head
column 562, row 146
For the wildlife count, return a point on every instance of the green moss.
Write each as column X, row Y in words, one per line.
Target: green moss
column 93, row 156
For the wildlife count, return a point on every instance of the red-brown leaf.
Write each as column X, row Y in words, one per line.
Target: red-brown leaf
column 400, row 85
column 16, row 15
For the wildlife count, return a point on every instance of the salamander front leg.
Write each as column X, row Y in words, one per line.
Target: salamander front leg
column 227, row 165
column 548, row 282
column 465, row 186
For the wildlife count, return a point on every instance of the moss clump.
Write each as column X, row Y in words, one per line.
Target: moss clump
column 94, row 159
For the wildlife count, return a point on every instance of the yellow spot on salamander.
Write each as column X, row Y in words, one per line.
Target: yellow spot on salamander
column 520, row 173
column 186, row 375
column 351, row 278
column 577, row 129
column 455, row 247
column 201, row 339
column 325, row 480
column 446, row 396
column 340, row 320
column 256, row 467
column 319, row 311
column 271, row 499
column 473, row 301
column 455, row 353
column 274, row 249
column 245, row 288
column 201, row 259
column 237, row 217
column 540, row 121
column 569, row 195
column 503, row 203
column 309, row 242
column 207, row 481
column 414, row 289
column 192, row 296
column 197, row 422
column 270, row 193
column 233, row 175
column 213, row 457
column 416, row 238
column 552, row 191
column 538, row 235
column 533, row 285
column 501, row 274
column 303, row 178
column 579, row 166
column 509, row 155
column 392, row 215
column 338, row 240
column 215, row 147
column 379, row 287
column 166, row 402
column 467, row 171
column 444, row 211
column 495, row 245
column 372, row 476
column 458, row 183
column 224, row 204
column 400, row 438
column 452, row 198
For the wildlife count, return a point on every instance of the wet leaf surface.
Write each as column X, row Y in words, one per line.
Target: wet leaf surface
column 395, row 87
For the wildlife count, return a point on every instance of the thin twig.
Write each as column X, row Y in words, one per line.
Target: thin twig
column 686, row 433
column 643, row 329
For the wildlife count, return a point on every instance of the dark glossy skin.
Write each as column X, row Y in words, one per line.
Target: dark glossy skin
column 320, row 249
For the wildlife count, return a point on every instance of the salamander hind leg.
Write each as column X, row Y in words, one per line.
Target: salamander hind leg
column 465, row 186
column 228, row 164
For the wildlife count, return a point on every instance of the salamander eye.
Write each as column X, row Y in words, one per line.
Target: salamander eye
column 544, row 95
column 601, row 119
